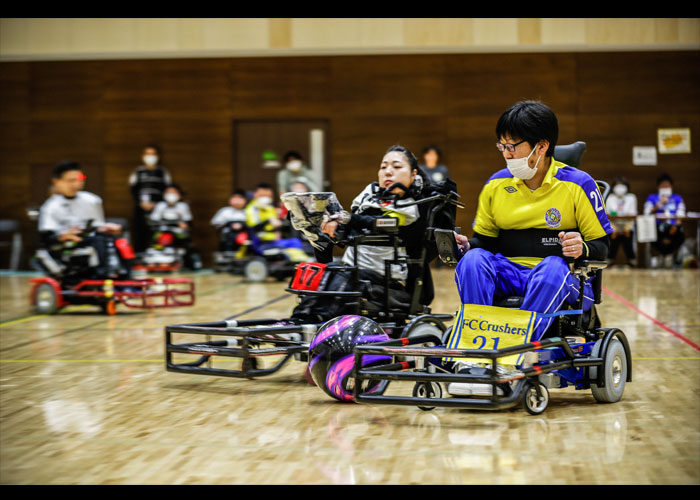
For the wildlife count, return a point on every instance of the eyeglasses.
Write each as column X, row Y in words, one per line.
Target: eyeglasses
column 508, row 147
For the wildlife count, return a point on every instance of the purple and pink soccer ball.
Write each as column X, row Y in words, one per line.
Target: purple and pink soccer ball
column 331, row 357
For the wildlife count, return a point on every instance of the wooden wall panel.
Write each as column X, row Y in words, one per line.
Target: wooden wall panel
column 102, row 113
column 295, row 87
column 388, row 86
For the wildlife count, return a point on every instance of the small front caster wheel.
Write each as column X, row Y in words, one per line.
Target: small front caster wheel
column 533, row 403
column 431, row 390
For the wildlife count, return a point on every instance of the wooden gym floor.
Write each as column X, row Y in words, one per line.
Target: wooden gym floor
column 85, row 399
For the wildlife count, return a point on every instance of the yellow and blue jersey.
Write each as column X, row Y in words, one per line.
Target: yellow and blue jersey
column 567, row 200
column 259, row 217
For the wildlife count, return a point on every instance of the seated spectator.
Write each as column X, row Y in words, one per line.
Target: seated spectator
column 670, row 231
column 622, row 203
column 172, row 216
column 230, row 222
column 263, row 220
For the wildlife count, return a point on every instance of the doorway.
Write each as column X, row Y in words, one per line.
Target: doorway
column 260, row 145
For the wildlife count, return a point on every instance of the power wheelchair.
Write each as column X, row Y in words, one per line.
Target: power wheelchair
column 290, row 337
column 576, row 350
column 72, row 280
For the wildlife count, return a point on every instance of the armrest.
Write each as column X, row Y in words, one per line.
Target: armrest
column 592, row 265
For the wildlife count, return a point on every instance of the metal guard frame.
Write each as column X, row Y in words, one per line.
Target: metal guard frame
column 249, row 334
column 394, row 372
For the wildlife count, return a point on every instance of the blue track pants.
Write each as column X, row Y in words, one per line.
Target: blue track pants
column 482, row 276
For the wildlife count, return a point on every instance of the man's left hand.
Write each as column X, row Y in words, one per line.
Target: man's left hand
column 571, row 244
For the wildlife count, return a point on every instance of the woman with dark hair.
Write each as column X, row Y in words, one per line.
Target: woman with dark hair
column 621, row 202
column 399, row 179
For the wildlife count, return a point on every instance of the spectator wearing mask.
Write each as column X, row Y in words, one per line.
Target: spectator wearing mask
column 261, row 214
column 230, row 221
column 293, row 168
column 432, row 166
column 670, row 231
column 148, row 182
column 622, row 203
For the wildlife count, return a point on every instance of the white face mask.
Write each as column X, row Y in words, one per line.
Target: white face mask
column 665, row 192
column 620, row 190
column 519, row 167
column 265, row 201
column 171, row 197
column 150, row 159
column 294, row 165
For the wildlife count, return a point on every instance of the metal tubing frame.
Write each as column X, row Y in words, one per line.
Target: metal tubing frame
column 171, row 295
column 495, row 402
column 249, row 336
column 242, row 328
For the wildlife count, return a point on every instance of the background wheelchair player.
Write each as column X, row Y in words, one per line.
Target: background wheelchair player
column 75, row 242
column 400, row 184
column 171, row 242
column 85, row 260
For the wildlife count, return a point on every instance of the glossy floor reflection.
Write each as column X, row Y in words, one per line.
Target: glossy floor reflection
column 85, row 399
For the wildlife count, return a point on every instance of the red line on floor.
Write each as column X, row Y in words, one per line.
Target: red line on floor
column 658, row 323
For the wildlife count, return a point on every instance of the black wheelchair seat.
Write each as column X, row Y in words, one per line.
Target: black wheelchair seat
column 570, row 154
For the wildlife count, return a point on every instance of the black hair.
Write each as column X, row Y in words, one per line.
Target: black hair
column 413, row 162
column 63, row 167
column 531, row 121
column 239, row 192
column 664, row 177
column 291, row 154
column 621, row 180
column 432, row 147
column 410, row 157
column 264, row 185
column 176, row 186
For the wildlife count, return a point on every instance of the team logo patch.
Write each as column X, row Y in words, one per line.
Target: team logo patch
column 552, row 218
column 510, row 189
column 385, row 203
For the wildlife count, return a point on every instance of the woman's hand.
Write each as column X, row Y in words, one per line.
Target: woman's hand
column 571, row 244
column 462, row 243
column 329, row 227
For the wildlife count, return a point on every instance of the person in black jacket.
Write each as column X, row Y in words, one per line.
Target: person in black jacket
column 148, row 182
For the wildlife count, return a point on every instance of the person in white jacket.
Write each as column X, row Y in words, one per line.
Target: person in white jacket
column 621, row 202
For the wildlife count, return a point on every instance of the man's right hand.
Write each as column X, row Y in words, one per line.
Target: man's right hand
column 70, row 235
column 462, row 243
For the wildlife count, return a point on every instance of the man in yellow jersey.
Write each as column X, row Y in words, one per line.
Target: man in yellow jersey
column 530, row 215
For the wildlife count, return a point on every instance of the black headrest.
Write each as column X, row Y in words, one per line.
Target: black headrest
column 570, row 154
